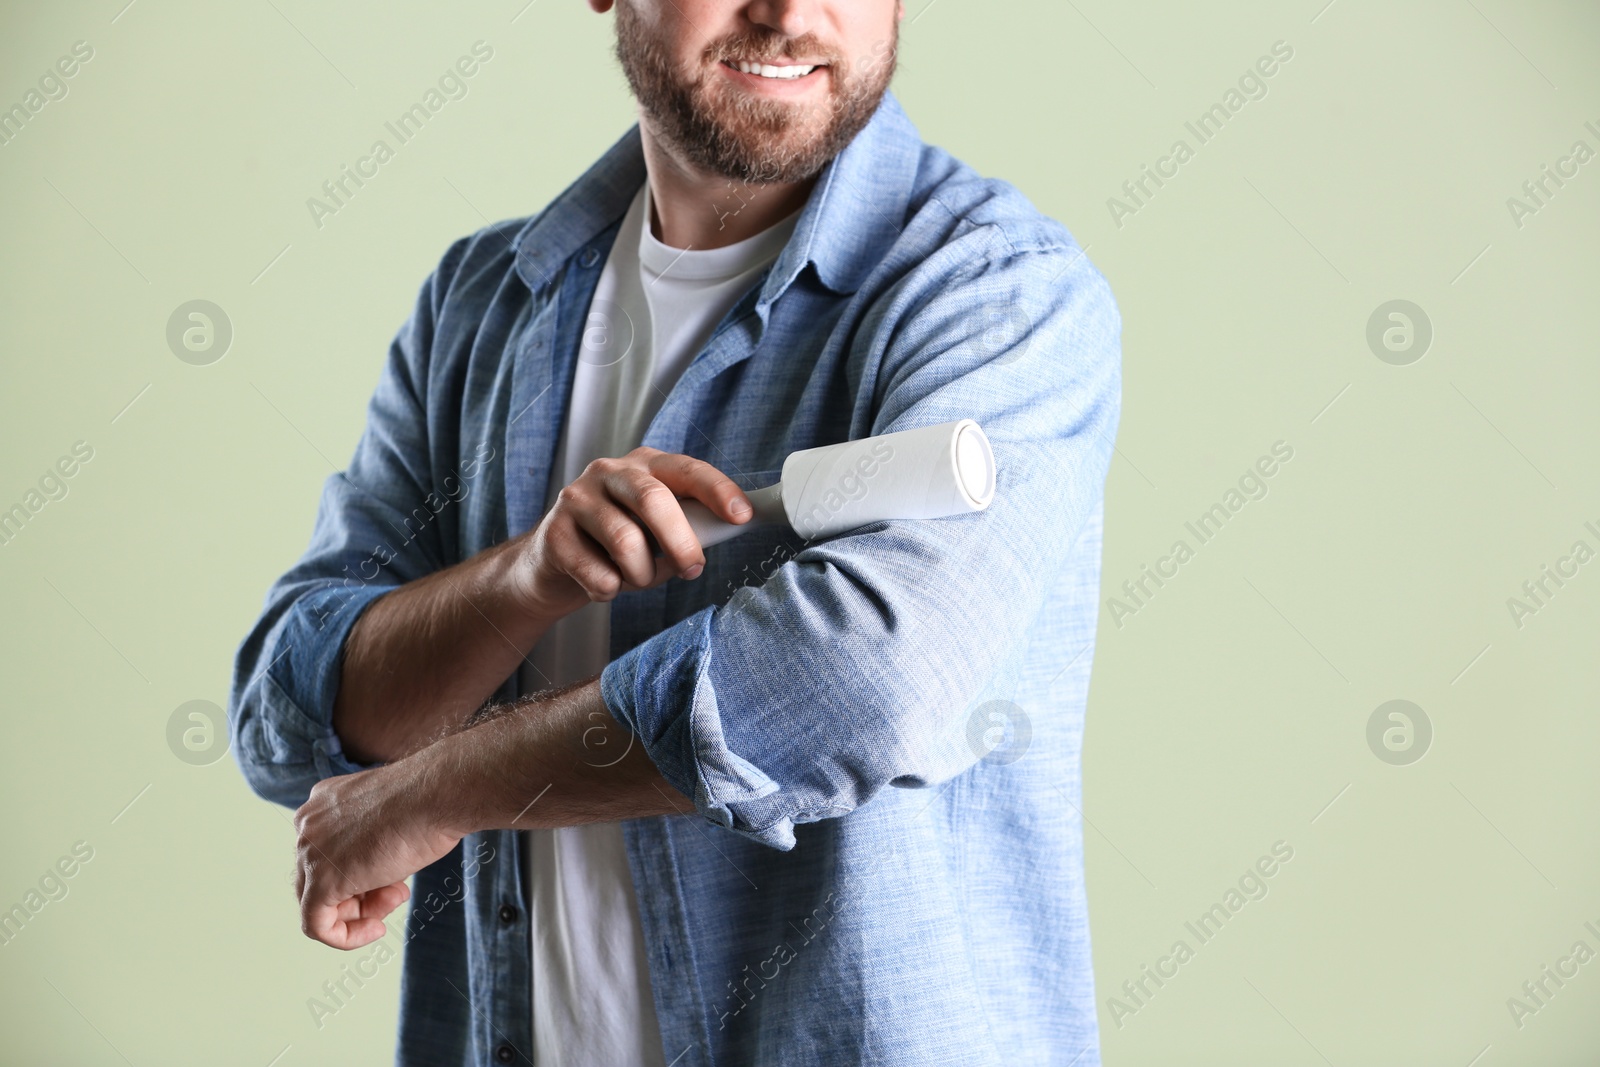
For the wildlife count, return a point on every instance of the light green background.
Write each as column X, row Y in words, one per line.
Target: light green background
column 1225, row 715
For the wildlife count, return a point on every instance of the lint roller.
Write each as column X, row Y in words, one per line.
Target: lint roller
column 932, row 472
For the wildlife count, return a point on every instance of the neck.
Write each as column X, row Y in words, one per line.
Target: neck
column 694, row 209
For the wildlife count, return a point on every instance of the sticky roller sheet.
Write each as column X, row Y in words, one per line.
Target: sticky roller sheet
column 932, row 472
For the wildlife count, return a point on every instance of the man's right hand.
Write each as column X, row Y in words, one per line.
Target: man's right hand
column 424, row 656
column 603, row 534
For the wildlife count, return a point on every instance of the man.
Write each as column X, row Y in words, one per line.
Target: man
column 641, row 784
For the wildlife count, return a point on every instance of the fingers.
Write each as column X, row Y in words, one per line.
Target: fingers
column 666, row 571
column 578, row 542
column 649, row 483
column 378, row 903
column 655, row 503
column 621, row 537
column 701, row 481
column 322, row 923
column 354, row 921
column 581, row 559
column 619, row 511
column 374, row 903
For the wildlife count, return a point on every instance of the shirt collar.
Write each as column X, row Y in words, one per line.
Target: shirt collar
column 855, row 212
column 583, row 211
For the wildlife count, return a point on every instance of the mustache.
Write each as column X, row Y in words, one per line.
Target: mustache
column 761, row 45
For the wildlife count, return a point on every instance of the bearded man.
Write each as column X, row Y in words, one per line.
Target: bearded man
column 776, row 801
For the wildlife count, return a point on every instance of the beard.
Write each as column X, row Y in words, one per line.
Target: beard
column 740, row 136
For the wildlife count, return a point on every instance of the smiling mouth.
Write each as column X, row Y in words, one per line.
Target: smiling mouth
column 769, row 70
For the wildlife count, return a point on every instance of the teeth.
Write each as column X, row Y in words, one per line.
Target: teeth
column 769, row 71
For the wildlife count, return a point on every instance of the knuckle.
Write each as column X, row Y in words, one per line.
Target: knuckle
column 622, row 533
column 653, row 491
column 593, row 578
column 562, row 539
column 678, row 463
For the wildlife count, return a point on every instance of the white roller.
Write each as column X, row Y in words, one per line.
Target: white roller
column 928, row 473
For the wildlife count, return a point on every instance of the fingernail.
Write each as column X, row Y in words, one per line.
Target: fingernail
column 693, row 572
column 740, row 509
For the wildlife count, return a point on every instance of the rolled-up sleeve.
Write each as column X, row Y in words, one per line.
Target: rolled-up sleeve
column 852, row 666
column 371, row 535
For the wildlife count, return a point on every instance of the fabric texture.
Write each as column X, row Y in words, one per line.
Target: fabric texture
column 881, row 731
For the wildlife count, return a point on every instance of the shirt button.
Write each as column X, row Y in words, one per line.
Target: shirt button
column 508, row 914
column 504, row 1053
column 590, row 257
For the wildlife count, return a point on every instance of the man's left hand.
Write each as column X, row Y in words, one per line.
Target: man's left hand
column 360, row 836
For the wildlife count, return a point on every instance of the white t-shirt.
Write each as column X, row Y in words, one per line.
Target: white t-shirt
column 652, row 312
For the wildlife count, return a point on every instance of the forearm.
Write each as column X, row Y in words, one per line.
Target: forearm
column 424, row 657
column 557, row 759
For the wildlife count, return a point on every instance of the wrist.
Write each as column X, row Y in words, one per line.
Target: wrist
column 515, row 573
column 427, row 790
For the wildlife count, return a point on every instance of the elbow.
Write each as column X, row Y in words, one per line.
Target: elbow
column 794, row 776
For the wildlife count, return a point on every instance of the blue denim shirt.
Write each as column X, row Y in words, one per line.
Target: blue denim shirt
column 880, row 731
